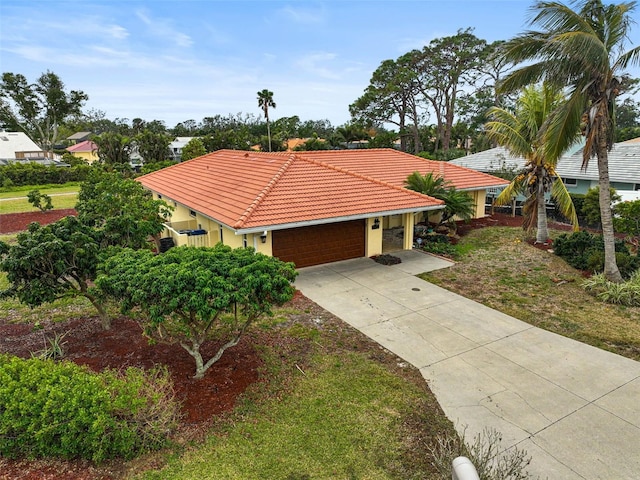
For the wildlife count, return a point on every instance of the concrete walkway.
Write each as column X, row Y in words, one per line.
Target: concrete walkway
column 574, row 408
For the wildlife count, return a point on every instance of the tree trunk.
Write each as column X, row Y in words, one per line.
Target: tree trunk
column 611, row 271
column 543, row 233
column 268, row 131
column 105, row 320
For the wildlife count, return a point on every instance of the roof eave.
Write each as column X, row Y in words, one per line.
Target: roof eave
column 484, row 187
column 323, row 221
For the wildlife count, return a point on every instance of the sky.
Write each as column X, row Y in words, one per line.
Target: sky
column 180, row 60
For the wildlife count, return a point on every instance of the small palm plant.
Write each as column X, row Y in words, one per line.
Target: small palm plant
column 457, row 204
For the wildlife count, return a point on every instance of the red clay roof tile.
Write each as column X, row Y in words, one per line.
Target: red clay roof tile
column 248, row 190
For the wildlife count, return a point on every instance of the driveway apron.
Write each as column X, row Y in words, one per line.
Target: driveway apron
column 574, row 408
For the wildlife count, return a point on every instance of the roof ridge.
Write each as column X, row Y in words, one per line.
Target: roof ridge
column 263, row 193
column 366, row 177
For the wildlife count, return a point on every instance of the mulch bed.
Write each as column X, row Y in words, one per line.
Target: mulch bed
column 17, row 222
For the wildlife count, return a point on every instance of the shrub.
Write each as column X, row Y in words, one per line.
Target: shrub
column 63, row 410
column 627, row 293
column 486, row 452
column 440, row 248
column 581, row 250
column 627, row 264
column 41, row 201
column 20, row 174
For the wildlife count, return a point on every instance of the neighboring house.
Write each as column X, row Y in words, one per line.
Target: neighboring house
column 624, row 166
column 86, row 150
column 18, row 147
column 306, row 207
column 79, row 137
column 177, row 145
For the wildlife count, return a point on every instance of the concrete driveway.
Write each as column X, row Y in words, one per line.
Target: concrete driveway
column 574, row 408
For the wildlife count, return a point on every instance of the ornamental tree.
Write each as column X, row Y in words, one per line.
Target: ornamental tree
column 41, row 201
column 190, row 295
column 51, row 262
column 125, row 213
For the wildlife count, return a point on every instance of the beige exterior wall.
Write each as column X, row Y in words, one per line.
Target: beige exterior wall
column 407, row 220
column 90, row 157
column 479, row 197
column 392, row 221
column 373, row 237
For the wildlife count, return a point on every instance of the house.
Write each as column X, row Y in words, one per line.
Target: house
column 176, row 146
column 18, row 147
column 306, row 207
column 624, row 166
column 79, row 137
column 87, row 150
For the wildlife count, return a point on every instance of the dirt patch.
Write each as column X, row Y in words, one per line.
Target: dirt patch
column 16, row 222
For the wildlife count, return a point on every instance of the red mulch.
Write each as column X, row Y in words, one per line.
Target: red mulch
column 16, row 222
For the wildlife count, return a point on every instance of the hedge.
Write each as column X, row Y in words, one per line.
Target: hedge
column 50, row 409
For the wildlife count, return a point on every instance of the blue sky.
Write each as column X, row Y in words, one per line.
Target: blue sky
column 179, row 60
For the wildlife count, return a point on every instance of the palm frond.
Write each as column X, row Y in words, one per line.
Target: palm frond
column 564, row 202
column 562, row 128
column 515, row 188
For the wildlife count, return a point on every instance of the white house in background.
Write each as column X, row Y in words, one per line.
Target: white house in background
column 177, row 145
column 624, row 166
column 18, row 147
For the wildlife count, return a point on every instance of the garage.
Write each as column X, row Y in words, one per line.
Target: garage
column 317, row 244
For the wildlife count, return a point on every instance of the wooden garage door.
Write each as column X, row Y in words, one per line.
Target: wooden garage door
column 318, row 244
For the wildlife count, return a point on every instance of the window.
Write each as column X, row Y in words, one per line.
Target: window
column 192, row 213
column 636, row 187
column 570, row 182
column 245, row 243
column 221, row 239
column 159, row 196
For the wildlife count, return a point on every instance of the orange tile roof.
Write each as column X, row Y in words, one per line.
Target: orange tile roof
column 394, row 167
column 250, row 190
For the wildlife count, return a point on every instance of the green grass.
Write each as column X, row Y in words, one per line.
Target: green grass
column 504, row 272
column 62, row 197
column 12, row 311
column 52, row 187
column 343, row 417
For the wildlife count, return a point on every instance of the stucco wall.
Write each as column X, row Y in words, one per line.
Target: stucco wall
column 373, row 237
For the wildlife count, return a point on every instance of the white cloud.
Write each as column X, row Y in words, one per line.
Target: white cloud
column 162, row 28
column 305, row 16
column 117, row 32
column 316, row 64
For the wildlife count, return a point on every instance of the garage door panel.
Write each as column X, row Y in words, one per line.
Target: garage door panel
column 317, row 244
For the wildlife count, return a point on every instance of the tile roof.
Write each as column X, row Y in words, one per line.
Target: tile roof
column 393, row 167
column 86, row 146
column 249, row 190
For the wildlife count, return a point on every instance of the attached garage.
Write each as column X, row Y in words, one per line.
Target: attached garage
column 317, row 244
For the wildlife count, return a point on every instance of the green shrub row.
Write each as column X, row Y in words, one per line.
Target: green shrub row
column 585, row 251
column 50, row 409
column 18, row 174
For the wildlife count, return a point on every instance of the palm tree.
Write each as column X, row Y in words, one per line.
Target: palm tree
column 456, row 203
column 428, row 184
column 522, row 134
column 265, row 100
column 581, row 50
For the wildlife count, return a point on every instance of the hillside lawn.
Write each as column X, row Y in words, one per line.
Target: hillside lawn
column 501, row 270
